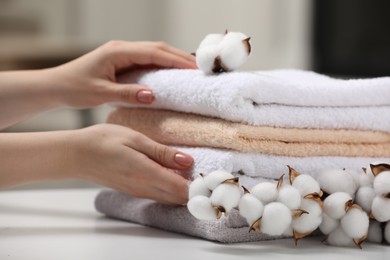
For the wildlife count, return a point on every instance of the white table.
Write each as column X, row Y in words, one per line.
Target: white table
column 63, row 224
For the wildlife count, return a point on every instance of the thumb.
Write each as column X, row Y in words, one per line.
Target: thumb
column 130, row 93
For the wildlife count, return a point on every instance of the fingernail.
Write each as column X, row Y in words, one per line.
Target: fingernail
column 184, row 160
column 145, row 96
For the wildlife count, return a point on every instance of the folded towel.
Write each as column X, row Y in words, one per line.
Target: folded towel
column 269, row 166
column 174, row 128
column 283, row 98
column 231, row 229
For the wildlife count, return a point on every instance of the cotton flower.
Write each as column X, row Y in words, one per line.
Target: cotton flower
column 328, row 224
column 355, row 223
column 251, row 209
column 304, row 183
column 289, row 196
column 266, row 192
column 223, row 52
column 226, row 195
column 215, row 178
column 310, row 220
column 336, row 204
column 364, row 197
column 335, row 180
column 198, row 187
column 338, row 237
column 201, row 208
column 380, row 209
column 276, row 219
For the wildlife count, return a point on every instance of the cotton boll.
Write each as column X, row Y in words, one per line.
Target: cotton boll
column 375, row 234
column 234, row 50
column 213, row 179
column 366, row 178
column 328, row 224
column 205, row 58
column 381, row 209
column 276, row 219
column 355, row 175
column 200, row 207
column 212, row 39
column 266, row 192
column 335, row 204
column 307, row 223
column 387, row 232
column 364, row 197
column 355, row 223
column 289, row 196
column 226, row 195
column 382, row 183
column 198, row 187
column 306, row 184
column 250, row 208
column 339, row 238
column 335, row 180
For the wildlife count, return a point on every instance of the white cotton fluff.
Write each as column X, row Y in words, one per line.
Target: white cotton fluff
column 226, row 195
column 328, row 224
column 200, row 207
column 212, row 39
column 364, row 197
column 355, row 175
column 205, row 58
column 276, row 219
column 334, row 204
column 339, row 238
column 198, row 187
column 335, row 180
column 306, row 184
column 250, row 208
column 367, row 177
column 382, row 183
column 355, row 223
column 375, row 232
column 215, row 178
column 266, row 192
column 289, row 196
column 233, row 52
column 387, row 232
column 381, row 209
column 308, row 222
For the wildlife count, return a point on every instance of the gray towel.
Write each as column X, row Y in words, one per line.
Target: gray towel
column 232, row 229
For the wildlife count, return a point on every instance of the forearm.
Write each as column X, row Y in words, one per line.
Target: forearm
column 24, row 94
column 30, row 157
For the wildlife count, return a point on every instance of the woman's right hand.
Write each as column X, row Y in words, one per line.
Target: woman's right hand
column 123, row 159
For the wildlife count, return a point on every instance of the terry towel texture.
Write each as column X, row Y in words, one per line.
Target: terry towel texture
column 231, row 229
column 283, row 98
column 183, row 129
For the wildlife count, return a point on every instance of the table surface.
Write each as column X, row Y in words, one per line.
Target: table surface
column 63, row 224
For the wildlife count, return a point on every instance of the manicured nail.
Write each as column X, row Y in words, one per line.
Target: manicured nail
column 145, row 96
column 184, row 160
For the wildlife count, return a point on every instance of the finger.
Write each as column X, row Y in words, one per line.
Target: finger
column 129, row 93
column 178, row 52
column 162, row 154
column 170, row 60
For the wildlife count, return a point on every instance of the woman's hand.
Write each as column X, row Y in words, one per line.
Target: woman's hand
column 92, row 79
column 128, row 161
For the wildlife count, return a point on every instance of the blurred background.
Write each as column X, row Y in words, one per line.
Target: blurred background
column 341, row 38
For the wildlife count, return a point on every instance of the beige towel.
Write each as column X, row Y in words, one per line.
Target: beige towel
column 182, row 129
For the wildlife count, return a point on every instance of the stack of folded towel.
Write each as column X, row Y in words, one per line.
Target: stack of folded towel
column 253, row 124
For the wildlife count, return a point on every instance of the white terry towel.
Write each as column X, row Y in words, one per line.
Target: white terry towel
column 253, row 167
column 282, row 98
